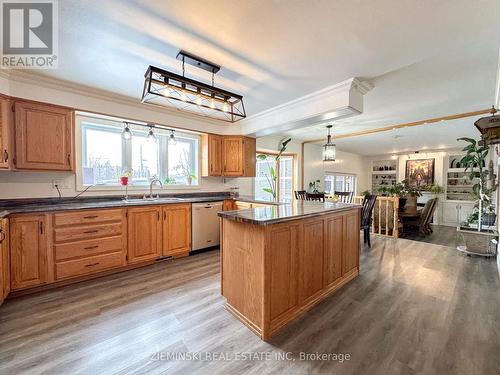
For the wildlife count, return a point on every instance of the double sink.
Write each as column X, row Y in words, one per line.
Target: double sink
column 159, row 200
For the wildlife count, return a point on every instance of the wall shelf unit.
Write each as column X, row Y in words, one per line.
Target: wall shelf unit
column 383, row 174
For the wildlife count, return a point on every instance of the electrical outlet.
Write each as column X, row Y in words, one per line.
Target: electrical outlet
column 59, row 183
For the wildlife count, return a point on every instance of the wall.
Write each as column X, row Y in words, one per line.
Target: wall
column 39, row 184
column 346, row 162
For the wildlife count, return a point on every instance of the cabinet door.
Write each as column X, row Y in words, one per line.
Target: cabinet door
column 44, row 137
column 350, row 239
column 144, row 234
column 249, row 157
column 5, row 133
column 4, row 259
column 215, row 155
column 28, row 251
column 311, row 273
column 228, row 205
column 450, row 213
column 232, row 156
column 176, row 229
column 283, row 268
column 332, row 267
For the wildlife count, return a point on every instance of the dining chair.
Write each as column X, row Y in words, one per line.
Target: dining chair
column 345, row 196
column 300, row 195
column 315, row 197
column 366, row 216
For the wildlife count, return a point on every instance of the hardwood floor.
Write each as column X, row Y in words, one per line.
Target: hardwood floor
column 416, row 308
column 442, row 235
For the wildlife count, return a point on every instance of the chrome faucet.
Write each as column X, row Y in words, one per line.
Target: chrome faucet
column 155, row 179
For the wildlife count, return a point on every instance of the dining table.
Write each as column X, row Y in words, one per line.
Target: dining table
column 409, row 213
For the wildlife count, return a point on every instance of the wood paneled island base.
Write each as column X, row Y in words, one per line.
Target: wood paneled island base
column 273, row 271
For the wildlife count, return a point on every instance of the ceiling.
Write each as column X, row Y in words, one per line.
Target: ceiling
column 435, row 136
column 424, row 58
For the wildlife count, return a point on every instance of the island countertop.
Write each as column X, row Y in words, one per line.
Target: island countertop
column 286, row 212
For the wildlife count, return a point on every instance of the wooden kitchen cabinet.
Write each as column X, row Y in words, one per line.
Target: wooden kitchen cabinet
column 144, row 233
column 44, row 137
column 6, row 134
column 28, row 251
column 176, row 229
column 4, row 259
column 211, row 155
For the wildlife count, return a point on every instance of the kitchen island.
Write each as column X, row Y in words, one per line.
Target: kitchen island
column 279, row 261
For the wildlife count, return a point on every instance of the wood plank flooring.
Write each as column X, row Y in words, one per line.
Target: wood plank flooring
column 416, row 308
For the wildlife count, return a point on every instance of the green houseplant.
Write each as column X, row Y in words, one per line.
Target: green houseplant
column 271, row 177
column 315, row 186
column 477, row 240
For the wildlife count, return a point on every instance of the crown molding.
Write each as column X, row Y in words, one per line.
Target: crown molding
column 28, row 77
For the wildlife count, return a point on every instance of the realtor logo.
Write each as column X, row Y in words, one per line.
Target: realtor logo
column 29, row 34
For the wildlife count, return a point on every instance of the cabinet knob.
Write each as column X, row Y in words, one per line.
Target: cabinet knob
column 5, row 156
column 2, row 235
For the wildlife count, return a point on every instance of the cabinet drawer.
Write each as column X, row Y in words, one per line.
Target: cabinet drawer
column 88, row 232
column 78, row 267
column 87, row 217
column 88, row 248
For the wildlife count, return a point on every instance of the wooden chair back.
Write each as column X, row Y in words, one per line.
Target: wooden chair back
column 300, row 195
column 367, row 210
column 428, row 212
column 345, row 196
column 315, row 197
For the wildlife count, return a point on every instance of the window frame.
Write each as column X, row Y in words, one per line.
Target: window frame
column 335, row 174
column 294, row 171
column 81, row 117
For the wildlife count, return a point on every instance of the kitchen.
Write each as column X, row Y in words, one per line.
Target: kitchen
column 185, row 188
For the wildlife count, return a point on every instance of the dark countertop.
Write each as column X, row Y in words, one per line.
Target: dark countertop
column 20, row 206
column 286, row 212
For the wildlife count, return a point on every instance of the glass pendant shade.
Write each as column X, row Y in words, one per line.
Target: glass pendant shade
column 126, row 133
column 329, row 148
column 171, row 139
column 151, row 136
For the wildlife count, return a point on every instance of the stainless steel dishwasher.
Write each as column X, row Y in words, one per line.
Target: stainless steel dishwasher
column 205, row 225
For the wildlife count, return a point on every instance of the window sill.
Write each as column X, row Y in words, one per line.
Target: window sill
column 132, row 189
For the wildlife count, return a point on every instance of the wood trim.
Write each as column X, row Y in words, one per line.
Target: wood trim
column 302, row 165
column 407, row 125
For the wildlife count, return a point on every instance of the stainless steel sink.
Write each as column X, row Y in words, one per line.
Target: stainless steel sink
column 146, row 200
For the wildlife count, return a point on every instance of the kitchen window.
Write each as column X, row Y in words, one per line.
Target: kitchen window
column 284, row 171
column 341, row 182
column 106, row 155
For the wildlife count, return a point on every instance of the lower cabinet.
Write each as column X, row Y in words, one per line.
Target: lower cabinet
column 28, row 251
column 455, row 213
column 176, row 229
column 4, row 259
column 88, row 241
column 144, row 233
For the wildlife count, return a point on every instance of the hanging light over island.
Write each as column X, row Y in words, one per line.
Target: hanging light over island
column 168, row 89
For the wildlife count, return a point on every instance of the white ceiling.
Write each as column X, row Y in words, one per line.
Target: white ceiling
column 424, row 57
column 435, row 136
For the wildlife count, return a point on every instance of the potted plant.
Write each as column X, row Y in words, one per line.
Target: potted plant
column 315, row 186
column 477, row 238
column 271, row 177
column 404, row 192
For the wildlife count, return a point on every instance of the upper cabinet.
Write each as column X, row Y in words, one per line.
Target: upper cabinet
column 6, row 134
column 232, row 156
column 44, row 137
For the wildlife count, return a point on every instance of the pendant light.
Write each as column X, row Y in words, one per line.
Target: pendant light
column 126, row 133
column 329, row 148
column 171, row 139
column 151, row 138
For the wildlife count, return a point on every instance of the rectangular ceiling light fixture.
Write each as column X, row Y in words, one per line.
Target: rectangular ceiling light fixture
column 168, row 89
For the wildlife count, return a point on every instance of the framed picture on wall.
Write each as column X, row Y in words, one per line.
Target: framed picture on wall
column 420, row 172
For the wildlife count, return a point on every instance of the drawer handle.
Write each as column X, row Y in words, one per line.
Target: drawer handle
column 91, row 247
column 91, row 264
column 90, row 231
column 90, row 217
